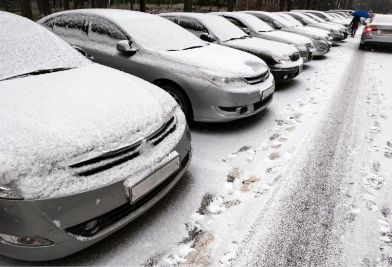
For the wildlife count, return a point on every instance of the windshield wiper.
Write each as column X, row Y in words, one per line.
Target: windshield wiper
column 171, row 50
column 37, row 72
column 237, row 38
column 196, row 46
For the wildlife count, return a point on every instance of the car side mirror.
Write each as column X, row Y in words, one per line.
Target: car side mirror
column 206, row 37
column 304, row 22
column 126, row 47
column 276, row 25
column 245, row 30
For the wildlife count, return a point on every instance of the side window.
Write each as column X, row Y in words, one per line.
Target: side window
column 173, row 19
column 105, row 33
column 193, row 26
column 237, row 23
column 265, row 19
column 71, row 28
column 49, row 24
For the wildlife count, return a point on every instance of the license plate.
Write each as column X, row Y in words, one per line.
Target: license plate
column 301, row 68
column 149, row 183
column 305, row 58
column 268, row 92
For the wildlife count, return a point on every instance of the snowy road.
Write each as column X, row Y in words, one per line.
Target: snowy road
column 304, row 183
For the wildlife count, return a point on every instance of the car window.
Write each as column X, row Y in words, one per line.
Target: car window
column 236, row 22
column 264, row 18
column 173, row 19
column 49, row 24
column 104, row 32
column 193, row 26
column 73, row 28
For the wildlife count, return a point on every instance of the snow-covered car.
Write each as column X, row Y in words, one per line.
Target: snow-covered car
column 343, row 28
column 283, row 60
column 84, row 149
column 336, row 33
column 378, row 32
column 211, row 83
column 321, row 39
column 325, row 16
column 258, row 28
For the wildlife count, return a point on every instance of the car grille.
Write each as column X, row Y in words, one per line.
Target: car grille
column 124, row 210
column 295, row 56
column 257, row 79
column 116, row 157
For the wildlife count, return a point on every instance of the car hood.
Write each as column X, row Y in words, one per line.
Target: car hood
column 286, row 37
column 55, row 117
column 265, row 49
column 210, row 60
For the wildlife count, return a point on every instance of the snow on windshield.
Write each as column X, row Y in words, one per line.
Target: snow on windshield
column 159, row 34
column 291, row 19
column 27, row 47
column 222, row 28
column 308, row 19
column 254, row 23
column 281, row 20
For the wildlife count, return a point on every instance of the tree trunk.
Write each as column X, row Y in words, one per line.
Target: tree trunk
column 188, row 5
column 282, row 4
column 143, row 5
column 80, row 3
column 289, row 5
column 258, row 4
column 25, row 7
column 308, row 4
column 46, row 5
column 231, row 5
column 66, row 4
column 350, row 4
column 40, row 6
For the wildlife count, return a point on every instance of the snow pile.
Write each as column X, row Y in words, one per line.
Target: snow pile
column 27, row 47
column 56, row 117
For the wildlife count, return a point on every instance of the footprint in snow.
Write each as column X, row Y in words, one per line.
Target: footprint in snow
column 375, row 130
column 273, row 156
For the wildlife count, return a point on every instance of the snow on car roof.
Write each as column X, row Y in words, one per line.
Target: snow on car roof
column 220, row 27
column 252, row 22
column 382, row 19
column 27, row 47
column 149, row 31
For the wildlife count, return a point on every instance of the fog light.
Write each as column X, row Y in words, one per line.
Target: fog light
column 321, row 49
column 284, row 77
column 242, row 110
column 91, row 227
column 25, row 241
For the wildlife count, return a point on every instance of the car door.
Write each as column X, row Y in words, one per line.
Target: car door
column 102, row 46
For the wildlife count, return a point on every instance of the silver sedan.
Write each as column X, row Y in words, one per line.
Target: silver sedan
column 378, row 32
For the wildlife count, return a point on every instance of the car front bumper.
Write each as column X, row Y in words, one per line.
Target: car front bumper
column 28, row 218
column 286, row 74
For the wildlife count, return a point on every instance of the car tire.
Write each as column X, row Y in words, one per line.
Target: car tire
column 181, row 98
column 361, row 47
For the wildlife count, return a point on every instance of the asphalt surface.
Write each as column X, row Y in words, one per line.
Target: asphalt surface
column 307, row 219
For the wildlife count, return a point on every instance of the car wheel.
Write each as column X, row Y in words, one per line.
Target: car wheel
column 361, row 47
column 181, row 99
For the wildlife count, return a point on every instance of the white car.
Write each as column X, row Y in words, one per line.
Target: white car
column 378, row 32
column 84, row 149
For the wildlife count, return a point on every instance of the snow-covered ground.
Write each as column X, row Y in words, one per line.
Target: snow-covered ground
column 306, row 182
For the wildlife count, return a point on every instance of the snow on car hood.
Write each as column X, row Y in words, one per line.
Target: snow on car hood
column 211, row 60
column 263, row 48
column 287, row 37
column 55, row 117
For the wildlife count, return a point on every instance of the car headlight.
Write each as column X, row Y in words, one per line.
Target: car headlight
column 318, row 38
column 8, row 192
column 225, row 80
column 281, row 58
column 26, row 241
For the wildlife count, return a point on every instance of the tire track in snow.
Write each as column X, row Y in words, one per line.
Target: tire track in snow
column 305, row 221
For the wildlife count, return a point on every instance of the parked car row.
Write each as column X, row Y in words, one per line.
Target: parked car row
column 85, row 148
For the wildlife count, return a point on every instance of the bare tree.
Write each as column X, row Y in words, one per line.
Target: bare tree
column 46, row 7
column 143, row 5
column 188, row 5
column 25, row 7
column 231, row 5
column 258, row 4
column 66, row 4
column 282, row 4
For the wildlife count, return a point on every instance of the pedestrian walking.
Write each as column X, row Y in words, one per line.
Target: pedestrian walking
column 354, row 25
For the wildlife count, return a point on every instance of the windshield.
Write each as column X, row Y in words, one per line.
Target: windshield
column 159, row 34
column 291, row 19
column 256, row 24
column 321, row 15
column 281, row 20
column 308, row 19
column 314, row 17
column 223, row 29
column 27, row 47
